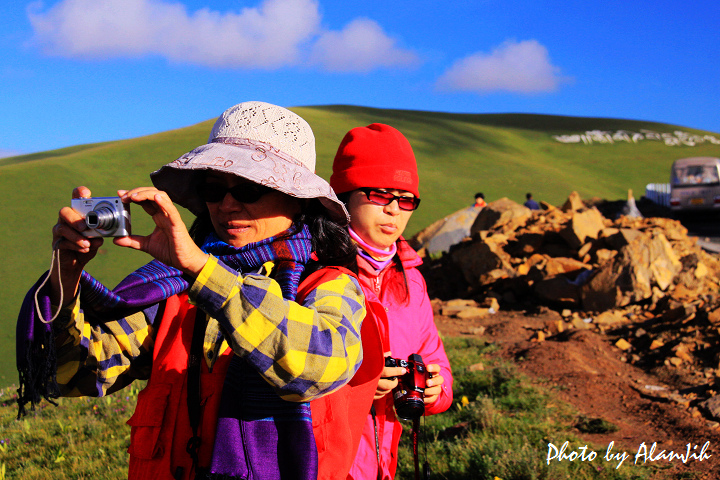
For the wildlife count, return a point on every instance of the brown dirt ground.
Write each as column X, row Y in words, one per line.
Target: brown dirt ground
column 591, row 375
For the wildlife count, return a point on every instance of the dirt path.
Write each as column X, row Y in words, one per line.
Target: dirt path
column 590, row 374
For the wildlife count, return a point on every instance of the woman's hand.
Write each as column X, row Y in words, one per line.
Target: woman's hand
column 433, row 386
column 388, row 379
column 74, row 250
column 170, row 242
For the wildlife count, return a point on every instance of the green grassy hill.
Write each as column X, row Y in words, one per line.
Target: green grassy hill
column 502, row 155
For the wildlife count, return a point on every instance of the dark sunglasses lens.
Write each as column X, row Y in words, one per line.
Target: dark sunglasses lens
column 211, row 192
column 408, row 203
column 245, row 193
column 248, row 193
column 385, row 198
column 381, row 198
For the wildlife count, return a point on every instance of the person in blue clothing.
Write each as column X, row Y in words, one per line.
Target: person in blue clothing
column 530, row 202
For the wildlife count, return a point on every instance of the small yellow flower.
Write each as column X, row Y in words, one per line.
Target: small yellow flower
column 465, row 402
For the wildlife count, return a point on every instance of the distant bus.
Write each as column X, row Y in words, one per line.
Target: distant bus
column 695, row 184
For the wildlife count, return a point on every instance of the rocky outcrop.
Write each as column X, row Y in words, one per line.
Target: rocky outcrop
column 640, row 281
column 573, row 257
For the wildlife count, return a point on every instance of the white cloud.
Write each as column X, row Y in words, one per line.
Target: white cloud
column 519, row 67
column 360, row 47
column 274, row 34
column 268, row 36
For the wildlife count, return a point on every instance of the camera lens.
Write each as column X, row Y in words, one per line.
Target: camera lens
column 102, row 218
column 410, row 407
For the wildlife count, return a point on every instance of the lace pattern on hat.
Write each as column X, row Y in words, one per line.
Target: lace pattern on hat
column 268, row 167
column 273, row 125
column 261, row 148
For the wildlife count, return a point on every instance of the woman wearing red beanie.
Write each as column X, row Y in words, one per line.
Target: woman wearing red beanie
column 375, row 175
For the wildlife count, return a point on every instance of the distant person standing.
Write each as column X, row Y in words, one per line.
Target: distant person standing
column 480, row 200
column 530, row 202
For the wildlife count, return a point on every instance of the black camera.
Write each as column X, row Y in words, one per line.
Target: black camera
column 409, row 394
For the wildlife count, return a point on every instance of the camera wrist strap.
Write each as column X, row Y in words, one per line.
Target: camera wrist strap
column 415, row 448
column 55, row 258
column 416, row 455
column 377, row 441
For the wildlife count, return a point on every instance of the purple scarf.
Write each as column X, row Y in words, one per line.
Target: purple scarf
column 259, row 435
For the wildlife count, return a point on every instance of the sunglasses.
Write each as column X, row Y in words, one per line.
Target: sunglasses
column 379, row 197
column 243, row 193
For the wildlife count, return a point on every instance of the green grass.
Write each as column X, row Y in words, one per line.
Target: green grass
column 508, row 426
column 502, row 155
column 81, row 438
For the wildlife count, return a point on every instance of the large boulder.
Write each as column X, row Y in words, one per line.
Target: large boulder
column 482, row 262
column 501, row 214
column 583, row 226
column 629, row 277
column 446, row 232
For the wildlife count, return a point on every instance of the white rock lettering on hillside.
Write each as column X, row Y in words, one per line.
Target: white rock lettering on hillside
column 674, row 139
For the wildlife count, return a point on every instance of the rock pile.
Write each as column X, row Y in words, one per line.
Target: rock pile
column 642, row 280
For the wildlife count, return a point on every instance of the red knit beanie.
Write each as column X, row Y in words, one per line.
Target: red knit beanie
column 377, row 156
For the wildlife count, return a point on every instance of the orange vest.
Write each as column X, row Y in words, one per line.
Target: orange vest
column 339, row 418
column 160, row 426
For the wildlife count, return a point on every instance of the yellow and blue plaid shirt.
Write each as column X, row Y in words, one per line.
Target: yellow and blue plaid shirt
column 303, row 350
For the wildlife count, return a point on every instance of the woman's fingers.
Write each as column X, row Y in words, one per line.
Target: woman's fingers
column 433, row 386
column 143, row 196
column 132, row 241
column 435, row 378
column 67, row 232
column 81, row 192
column 392, row 372
column 154, row 202
column 168, row 207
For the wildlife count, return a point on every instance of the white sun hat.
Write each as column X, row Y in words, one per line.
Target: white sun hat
column 263, row 143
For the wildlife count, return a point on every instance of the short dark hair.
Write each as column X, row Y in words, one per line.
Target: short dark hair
column 528, row 196
column 480, row 195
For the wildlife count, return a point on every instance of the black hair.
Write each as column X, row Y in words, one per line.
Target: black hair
column 480, row 195
column 331, row 242
column 201, row 227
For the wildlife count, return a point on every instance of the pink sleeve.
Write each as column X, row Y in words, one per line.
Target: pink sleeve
column 432, row 350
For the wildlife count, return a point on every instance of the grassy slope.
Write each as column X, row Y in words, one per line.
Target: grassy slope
column 458, row 155
column 507, row 427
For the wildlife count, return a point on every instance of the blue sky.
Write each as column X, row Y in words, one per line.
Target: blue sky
column 83, row 71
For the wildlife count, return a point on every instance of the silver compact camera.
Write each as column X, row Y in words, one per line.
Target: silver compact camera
column 104, row 216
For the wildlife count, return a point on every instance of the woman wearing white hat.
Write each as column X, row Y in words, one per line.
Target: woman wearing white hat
column 238, row 323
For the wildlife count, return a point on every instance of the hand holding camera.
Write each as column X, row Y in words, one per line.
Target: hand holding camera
column 409, row 394
column 77, row 249
column 398, row 370
column 170, row 241
column 81, row 227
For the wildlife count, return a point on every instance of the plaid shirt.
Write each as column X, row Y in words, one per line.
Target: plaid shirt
column 304, row 350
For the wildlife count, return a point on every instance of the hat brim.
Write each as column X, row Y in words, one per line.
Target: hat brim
column 255, row 161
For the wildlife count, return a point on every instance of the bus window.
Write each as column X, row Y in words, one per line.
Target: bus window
column 695, row 175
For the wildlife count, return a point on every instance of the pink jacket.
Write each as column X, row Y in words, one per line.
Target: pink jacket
column 406, row 328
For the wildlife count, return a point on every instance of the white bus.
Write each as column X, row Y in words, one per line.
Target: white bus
column 695, row 184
